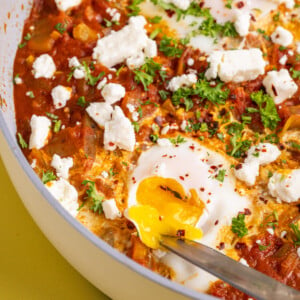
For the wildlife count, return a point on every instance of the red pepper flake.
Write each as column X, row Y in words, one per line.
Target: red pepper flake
column 187, row 175
column 208, row 201
column 165, row 155
column 239, row 246
column 111, row 144
column 240, row 4
column 238, row 166
column 264, row 150
column 213, row 167
column 274, row 90
column 209, row 193
column 247, row 212
column 180, row 233
column 202, row 189
column 160, row 218
column 221, row 246
column 181, row 177
column 192, row 147
column 217, row 222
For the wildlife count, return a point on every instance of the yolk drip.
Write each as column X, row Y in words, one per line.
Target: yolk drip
column 163, row 209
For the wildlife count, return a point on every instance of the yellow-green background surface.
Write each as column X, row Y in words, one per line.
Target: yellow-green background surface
column 30, row 267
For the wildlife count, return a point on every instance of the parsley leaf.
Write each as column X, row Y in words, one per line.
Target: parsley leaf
column 92, row 80
column 155, row 20
column 81, row 101
column 92, row 194
column 295, row 73
column 238, row 225
column 48, row 176
column 22, row 142
column 221, row 175
column 170, row 47
column 178, row 140
column 134, row 7
column 61, row 28
column 267, row 109
column 296, row 231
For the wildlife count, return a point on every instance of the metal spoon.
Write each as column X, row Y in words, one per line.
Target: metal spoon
column 248, row 280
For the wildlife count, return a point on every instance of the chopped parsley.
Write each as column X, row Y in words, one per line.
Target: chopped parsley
column 228, row 3
column 27, row 37
column 61, row 28
column 57, row 126
column 263, row 247
column 92, row 80
column 170, row 47
column 134, row 7
column 30, row 94
column 155, row 20
column 221, row 175
column 48, row 176
column 51, row 116
column 163, row 94
column 92, row 194
column 146, row 73
column 238, row 225
column 155, row 33
column 267, row 109
column 178, row 140
column 175, row 193
column 112, row 173
column 154, row 138
column 295, row 73
column 272, row 219
column 296, row 232
column 81, row 101
column 22, row 142
column 136, row 126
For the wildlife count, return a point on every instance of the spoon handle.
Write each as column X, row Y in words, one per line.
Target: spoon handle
column 246, row 279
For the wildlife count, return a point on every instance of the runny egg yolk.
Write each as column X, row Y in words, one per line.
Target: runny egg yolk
column 163, row 208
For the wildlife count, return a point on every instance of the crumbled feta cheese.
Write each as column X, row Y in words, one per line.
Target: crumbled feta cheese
column 40, row 129
column 104, row 174
column 164, row 143
column 285, row 187
column 183, row 125
column 165, row 130
column 65, row 193
column 44, row 66
column 114, row 14
column 100, row 112
column 150, row 49
column 79, row 71
column 136, row 61
column 244, row 262
column 18, row 80
column 280, row 85
column 190, row 62
column 236, row 65
column 33, row 163
column 102, row 83
column 258, row 242
column 242, row 22
column 261, row 154
column 61, row 95
column 182, row 80
column 182, row 4
column 64, row 5
column 282, row 37
column 288, row 3
column 120, row 45
column 113, row 92
column 270, row 230
column 290, row 53
column 119, row 132
column 62, row 165
column 283, row 60
column 110, row 209
column 130, row 107
column 135, row 116
column 283, row 234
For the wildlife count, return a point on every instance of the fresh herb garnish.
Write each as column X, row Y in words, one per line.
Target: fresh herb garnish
column 155, row 20
column 267, row 109
column 22, row 142
column 48, row 176
column 81, row 101
column 178, row 140
column 92, row 80
column 295, row 73
column 92, row 194
column 221, row 175
column 61, row 28
column 296, row 232
column 238, row 225
column 170, row 47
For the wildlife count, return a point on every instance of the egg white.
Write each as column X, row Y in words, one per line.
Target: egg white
column 194, row 167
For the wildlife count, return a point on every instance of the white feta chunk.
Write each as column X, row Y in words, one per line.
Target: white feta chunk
column 285, row 187
column 182, row 80
column 79, row 71
column 120, row 45
column 40, row 130
column 119, row 132
column 242, row 22
column 182, row 4
column 165, row 130
column 110, row 209
column 282, row 37
column 65, row 193
column 137, row 61
column 62, row 165
column 236, row 65
column 64, row 5
column 100, row 112
column 244, row 262
column 280, row 85
column 261, row 154
column 60, row 96
column 190, row 62
column 283, row 60
column 150, row 49
column 18, row 80
column 115, row 15
column 102, row 83
column 113, row 92
column 44, row 67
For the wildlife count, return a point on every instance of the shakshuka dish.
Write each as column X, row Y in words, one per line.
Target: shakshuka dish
column 146, row 118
